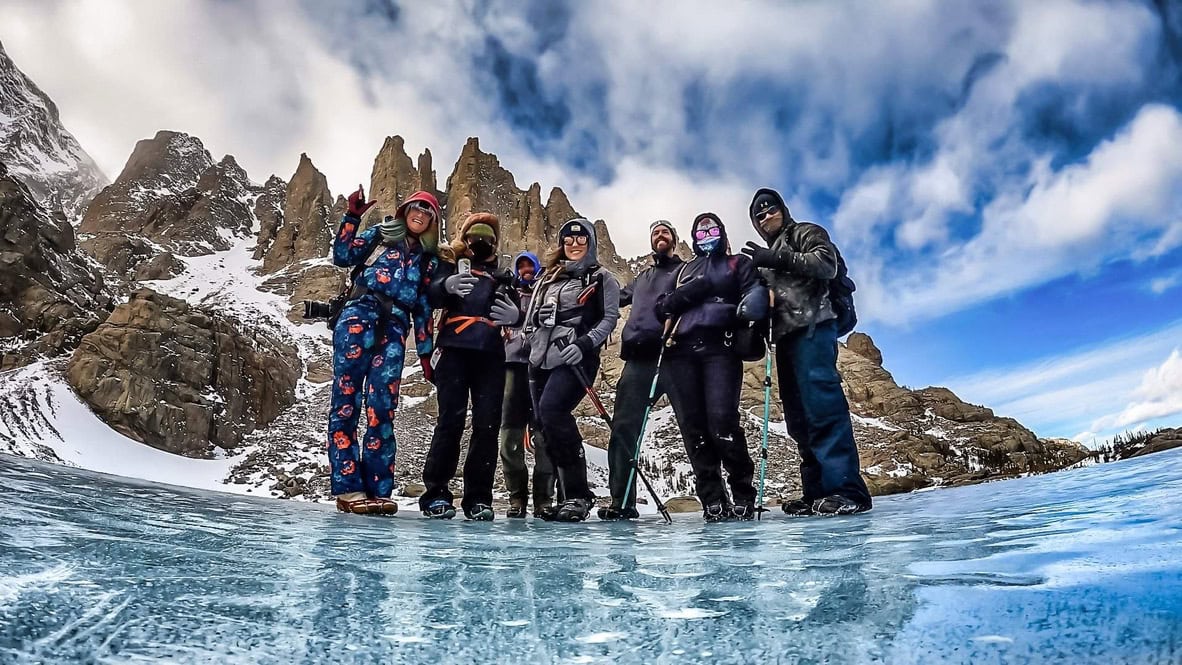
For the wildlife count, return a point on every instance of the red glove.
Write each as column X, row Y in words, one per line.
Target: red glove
column 357, row 204
column 428, row 371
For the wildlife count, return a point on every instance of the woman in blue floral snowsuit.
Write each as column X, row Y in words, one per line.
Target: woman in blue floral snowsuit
column 394, row 263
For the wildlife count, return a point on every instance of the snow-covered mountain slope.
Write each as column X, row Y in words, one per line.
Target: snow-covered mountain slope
column 38, row 150
column 41, row 417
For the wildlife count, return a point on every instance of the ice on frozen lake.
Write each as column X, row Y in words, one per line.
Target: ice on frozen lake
column 1076, row 567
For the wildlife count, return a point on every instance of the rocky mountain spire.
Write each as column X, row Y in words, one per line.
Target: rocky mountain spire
column 268, row 209
column 480, row 184
column 38, row 150
column 394, row 177
column 305, row 231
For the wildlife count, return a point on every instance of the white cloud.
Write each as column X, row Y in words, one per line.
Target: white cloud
column 1159, row 395
column 1125, row 196
column 1160, row 285
column 1062, row 395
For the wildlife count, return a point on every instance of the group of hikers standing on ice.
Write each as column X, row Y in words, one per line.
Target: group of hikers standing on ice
column 521, row 348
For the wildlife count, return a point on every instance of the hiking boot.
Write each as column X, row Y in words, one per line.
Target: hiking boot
column 366, row 506
column 797, row 507
column 612, row 513
column 715, row 512
column 836, row 504
column 743, row 511
column 440, row 509
column 516, row 509
column 573, row 510
column 480, row 512
column 546, row 513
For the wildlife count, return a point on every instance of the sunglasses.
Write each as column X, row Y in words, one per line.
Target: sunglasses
column 713, row 232
column 575, row 240
column 760, row 216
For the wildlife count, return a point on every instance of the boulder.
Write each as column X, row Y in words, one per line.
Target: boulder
column 182, row 378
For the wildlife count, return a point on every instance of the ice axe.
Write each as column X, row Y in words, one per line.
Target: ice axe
column 582, row 377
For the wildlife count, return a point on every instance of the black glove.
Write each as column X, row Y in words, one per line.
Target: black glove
column 687, row 295
column 761, row 257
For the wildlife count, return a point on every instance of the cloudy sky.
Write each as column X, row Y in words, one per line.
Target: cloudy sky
column 1004, row 178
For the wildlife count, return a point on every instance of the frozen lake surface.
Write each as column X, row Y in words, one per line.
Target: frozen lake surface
column 1077, row 567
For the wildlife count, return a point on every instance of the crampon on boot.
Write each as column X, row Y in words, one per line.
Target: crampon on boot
column 516, row 509
column 797, row 507
column 743, row 511
column 480, row 512
column 612, row 513
column 836, row 504
column 440, row 509
column 546, row 513
column 573, row 510
column 715, row 512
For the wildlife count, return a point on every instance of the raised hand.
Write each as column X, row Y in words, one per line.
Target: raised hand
column 358, row 206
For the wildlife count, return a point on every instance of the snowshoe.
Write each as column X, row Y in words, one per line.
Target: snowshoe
column 612, row 513
column 797, row 507
column 715, row 512
column 836, row 504
column 573, row 510
column 743, row 511
column 546, row 513
column 480, row 512
column 440, row 509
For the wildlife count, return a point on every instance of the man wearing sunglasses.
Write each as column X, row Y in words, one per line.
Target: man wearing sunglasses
column 798, row 264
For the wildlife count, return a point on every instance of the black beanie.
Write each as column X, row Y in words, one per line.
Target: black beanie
column 763, row 202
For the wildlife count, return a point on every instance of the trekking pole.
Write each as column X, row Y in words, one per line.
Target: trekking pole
column 767, row 414
column 648, row 408
column 582, row 376
column 767, row 409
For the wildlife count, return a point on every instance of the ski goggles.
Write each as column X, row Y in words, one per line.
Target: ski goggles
column 702, row 234
column 767, row 212
column 423, row 206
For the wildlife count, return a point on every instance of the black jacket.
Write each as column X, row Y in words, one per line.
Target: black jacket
column 805, row 262
column 641, row 339
column 464, row 322
column 713, row 294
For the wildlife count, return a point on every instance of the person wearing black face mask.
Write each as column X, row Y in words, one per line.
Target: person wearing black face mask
column 470, row 359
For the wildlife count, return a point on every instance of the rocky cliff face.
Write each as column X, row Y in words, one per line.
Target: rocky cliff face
column 50, row 293
column 181, row 378
column 38, row 150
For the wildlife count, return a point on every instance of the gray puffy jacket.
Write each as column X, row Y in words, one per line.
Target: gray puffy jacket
column 587, row 300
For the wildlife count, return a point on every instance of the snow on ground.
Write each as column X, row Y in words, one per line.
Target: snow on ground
column 43, row 415
column 877, row 423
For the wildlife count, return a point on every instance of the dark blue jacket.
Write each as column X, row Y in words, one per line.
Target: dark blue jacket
column 641, row 339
